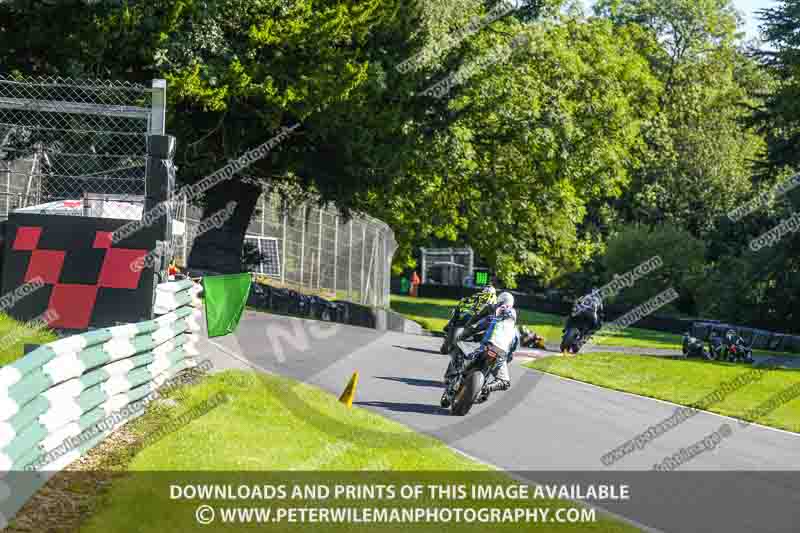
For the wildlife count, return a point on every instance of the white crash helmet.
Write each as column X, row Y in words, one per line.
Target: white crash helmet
column 505, row 299
column 489, row 290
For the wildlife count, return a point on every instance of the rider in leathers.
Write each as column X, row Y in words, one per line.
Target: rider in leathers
column 501, row 333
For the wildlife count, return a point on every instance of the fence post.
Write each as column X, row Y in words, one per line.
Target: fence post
column 283, row 245
column 302, row 241
column 158, row 113
column 263, row 213
column 319, row 252
column 350, row 263
column 160, row 180
column 361, row 280
column 335, row 252
column 185, row 231
column 387, row 280
column 375, row 275
column 422, row 261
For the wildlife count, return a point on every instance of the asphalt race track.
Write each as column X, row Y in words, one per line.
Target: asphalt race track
column 544, row 428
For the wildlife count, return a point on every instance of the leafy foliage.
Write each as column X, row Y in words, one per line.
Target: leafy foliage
column 682, row 255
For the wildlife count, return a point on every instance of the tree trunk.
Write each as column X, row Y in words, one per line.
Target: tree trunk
column 219, row 250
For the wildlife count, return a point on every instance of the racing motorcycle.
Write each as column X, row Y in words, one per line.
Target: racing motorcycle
column 455, row 335
column 469, row 387
column 449, row 332
column 576, row 335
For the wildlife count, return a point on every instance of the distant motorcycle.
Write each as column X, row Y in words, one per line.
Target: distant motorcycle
column 693, row 347
column 576, row 335
column 730, row 348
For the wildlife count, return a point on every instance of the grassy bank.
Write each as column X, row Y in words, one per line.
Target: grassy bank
column 15, row 335
column 433, row 314
column 685, row 382
column 270, row 430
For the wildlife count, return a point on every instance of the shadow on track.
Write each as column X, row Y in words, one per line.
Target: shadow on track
column 423, row 350
column 415, row 382
column 403, row 407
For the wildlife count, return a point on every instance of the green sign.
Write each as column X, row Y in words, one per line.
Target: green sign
column 481, row 278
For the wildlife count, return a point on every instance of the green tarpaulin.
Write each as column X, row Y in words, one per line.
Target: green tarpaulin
column 225, row 298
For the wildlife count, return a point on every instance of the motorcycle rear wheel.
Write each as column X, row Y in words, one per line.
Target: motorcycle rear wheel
column 570, row 341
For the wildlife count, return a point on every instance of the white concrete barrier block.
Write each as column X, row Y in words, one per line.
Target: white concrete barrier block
column 9, row 376
column 64, row 368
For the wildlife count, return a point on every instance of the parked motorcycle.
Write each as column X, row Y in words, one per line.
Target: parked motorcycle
column 469, row 387
column 693, row 347
column 730, row 348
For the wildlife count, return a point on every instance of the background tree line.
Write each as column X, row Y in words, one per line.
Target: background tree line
column 605, row 138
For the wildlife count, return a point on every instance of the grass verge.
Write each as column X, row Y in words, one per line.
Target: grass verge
column 254, row 439
column 686, row 382
column 15, row 335
column 433, row 314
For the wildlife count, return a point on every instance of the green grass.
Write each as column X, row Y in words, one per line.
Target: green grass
column 14, row 335
column 683, row 382
column 433, row 315
column 273, row 424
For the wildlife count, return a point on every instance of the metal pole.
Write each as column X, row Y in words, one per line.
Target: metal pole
column 263, row 214
column 335, row 252
column 158, row 108
column 387, row 280
column 311, row 274
column 350, row 263
column 283, row 250
column 370, row 281
column 362, row 281
column 302, row 242
column 185, row 231
column 375, row 260
column 319, row 252
column 422, row 260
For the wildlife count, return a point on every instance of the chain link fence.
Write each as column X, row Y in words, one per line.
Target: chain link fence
column 64, row 139
column 312, row 249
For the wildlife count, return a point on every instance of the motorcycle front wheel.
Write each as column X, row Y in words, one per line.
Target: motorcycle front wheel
column 467, row 393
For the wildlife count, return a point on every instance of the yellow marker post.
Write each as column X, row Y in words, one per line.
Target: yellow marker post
column 350, row 391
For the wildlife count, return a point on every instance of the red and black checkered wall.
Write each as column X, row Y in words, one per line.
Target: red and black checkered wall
column 89, row 282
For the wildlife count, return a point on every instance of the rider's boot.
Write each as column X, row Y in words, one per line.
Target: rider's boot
column 498, row 385
column 449, row 391
column 445, row 401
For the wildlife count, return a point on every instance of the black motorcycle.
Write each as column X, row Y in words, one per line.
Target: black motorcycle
column 449, row 331
column 469, row 386
column 459, row 334
column 577, row 332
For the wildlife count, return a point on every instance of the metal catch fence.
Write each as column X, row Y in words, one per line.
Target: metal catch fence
column 312, row 249
column 64, row 139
